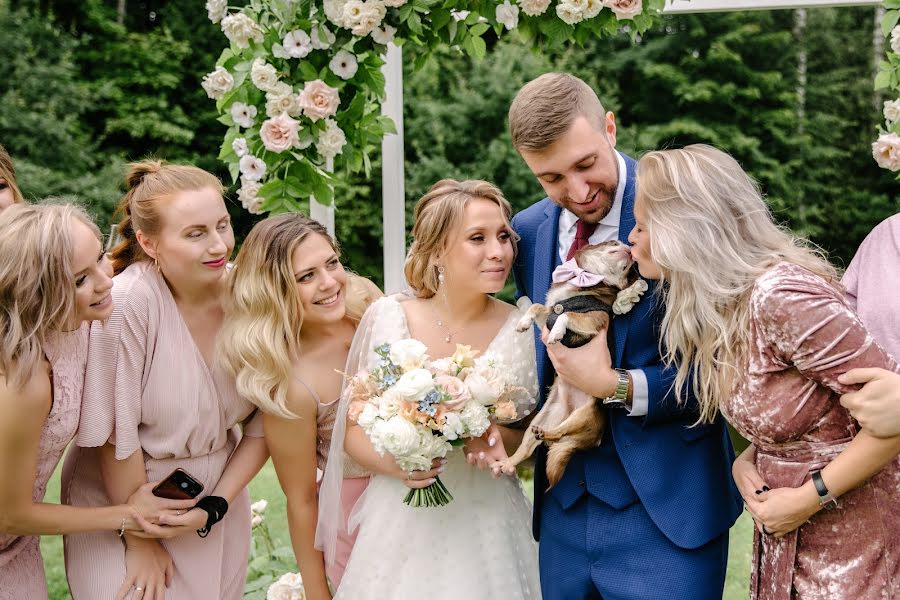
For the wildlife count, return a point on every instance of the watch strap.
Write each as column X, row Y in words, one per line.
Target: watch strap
column 826, row 498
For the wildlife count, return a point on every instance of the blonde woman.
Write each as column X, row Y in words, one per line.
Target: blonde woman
column 479, row 545
column 9, row 190
column 54, row 280
column 761, row 327
column 155, row 401
column 291, row 314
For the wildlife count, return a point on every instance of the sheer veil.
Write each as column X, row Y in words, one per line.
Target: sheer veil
column 382, row 322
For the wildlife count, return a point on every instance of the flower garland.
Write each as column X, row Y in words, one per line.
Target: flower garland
column 886, row 149
column 300, row 85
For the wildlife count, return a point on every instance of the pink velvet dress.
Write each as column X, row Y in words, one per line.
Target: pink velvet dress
column 803, row 336
column 355, row 480
column 149, row 390
column 21, row 565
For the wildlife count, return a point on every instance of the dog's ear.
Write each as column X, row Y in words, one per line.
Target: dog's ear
column 602, row 320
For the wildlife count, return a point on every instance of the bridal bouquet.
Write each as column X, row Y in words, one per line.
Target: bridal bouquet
column 417, row 409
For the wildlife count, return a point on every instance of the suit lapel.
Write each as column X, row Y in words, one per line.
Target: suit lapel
column 546, row 258
column 626, row 224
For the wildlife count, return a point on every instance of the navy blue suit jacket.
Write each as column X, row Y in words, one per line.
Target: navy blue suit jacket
column 681, row 474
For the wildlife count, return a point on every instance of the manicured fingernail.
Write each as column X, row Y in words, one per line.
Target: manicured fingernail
column 432, row 480
column 758, row 492
column 440, row 469
column 443, row 461
column 481, row 455
column 492, row 442
column 765, row 488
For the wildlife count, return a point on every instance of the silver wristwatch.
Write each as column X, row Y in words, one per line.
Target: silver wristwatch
column 620, row 396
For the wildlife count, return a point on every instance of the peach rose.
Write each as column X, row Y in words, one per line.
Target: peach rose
column 505, row 410
column 319, row 100
column 625, row 9
column 279, row 133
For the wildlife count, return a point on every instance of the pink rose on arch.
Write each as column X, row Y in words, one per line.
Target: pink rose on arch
column 319, row 100
column 279, row 133
column 886, row 151
column 625, row 9
column 456, row 389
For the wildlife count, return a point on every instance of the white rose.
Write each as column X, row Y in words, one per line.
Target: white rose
column 334, row 11
column 318, row 100
column 414, row 385
column 534, row 8
column 288, row 587
column 216, row 9
column 389, row 404
column 363, row 17
column 592, row 8
column 398, row 436
column 256, row 520
column 252, row 168
column 384, row 35
column 443, row 365
column 264, row 75
column 259, row 507
column 217, row 83
column 297, row 44
column 892, row 111
column 886, row 151
column 282, row 100
column 432, row 446
column 243, row 114
column 240, row 29
column 352, row 12
column 239, row 145
column 895, row 39
column 344, row 64
column 394, row 3
column 624, row 9
column 570, row 12
column 408, row 354
column 248, row 196
column 476, row 419
column 331, row 141
column 481, row 389
column 368, row 416
column 453, row 426
column 322, row 38
column 508, row 14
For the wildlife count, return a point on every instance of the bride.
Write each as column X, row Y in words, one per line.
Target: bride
column 478, row 546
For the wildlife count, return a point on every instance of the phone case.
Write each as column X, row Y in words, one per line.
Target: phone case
column 179, row 485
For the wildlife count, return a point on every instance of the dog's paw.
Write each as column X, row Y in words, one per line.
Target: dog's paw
column 524, row 324
column 538, row 432
column 506, row 467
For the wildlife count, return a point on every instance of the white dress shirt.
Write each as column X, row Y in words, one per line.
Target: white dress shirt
column 607, row 229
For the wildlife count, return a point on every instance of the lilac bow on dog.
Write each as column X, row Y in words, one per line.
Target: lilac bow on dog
column 570, row 272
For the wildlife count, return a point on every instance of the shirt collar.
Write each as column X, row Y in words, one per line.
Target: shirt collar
column 567, row 218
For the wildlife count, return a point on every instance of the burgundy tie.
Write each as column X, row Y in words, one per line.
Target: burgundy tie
column 583, row 232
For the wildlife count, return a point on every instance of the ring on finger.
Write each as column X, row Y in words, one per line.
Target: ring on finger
column 138, row 588
column 409, row 475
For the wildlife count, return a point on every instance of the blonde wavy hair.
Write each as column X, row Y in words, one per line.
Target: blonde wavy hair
column 8, row 172
column 260, row 338
column 149, row 184
column 438, row 213
column 712, row 236
column 37, row 285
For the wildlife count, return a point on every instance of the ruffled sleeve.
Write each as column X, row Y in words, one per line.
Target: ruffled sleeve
column 808, row 324
column 517, row 354
column 117, row 359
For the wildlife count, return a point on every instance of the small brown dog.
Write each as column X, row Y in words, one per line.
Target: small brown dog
column 586, row 292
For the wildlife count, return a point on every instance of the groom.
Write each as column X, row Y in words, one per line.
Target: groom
column 646, row 514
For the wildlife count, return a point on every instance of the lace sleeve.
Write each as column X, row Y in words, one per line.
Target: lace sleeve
column 516, row 353
column 383, row 322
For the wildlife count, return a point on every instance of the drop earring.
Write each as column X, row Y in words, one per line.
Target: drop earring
column 440, row 276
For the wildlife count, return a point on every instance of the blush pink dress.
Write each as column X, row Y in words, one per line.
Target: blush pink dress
column 21, row 565
column 355, row 480
column 149, row 390
column 803, row 335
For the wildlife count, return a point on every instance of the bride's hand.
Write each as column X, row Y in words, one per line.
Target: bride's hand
column 422, row 479
column 486, row 450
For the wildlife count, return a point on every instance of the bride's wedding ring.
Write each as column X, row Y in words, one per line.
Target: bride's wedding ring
column 138, row 588
column 409, row 475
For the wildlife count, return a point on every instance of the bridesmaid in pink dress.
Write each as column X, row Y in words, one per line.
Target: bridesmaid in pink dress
column 291, row 315
column 760, row 326
column 55, row 249
column 154, row 400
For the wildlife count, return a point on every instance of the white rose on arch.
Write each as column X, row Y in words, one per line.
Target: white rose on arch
column 319, row 100
column 570, row 11
column 892, row 111
column 248, row 196
column 216, row 10
column 251, row 167
column 218, row 83
column 886, row 151
column 895, row 39
column 508, row 15
column 344, row 64
column 534, row 8
column 243, row 115
column 384, row 34
column 264, row 76
column 240, row 29
column 297, row 44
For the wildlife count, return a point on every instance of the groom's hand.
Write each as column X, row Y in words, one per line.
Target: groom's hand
column 588, row 368
column 486, row 450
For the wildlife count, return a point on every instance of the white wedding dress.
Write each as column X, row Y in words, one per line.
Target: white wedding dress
column 479, row 546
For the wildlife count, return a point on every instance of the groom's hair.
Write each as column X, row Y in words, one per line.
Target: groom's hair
column 544, row 109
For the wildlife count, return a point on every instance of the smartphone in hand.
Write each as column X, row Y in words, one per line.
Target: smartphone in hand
column 179, row 485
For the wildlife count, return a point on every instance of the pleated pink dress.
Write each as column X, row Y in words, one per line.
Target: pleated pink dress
column 148, row 389
column 21, row 565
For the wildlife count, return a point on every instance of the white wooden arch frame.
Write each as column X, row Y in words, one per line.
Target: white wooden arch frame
column 392, row 173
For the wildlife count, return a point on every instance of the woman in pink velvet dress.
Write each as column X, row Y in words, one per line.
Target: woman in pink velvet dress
column 291, row 315
column 54, row 280
column 760, row 328
column 154, row 400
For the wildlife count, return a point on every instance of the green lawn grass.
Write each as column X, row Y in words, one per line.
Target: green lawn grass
column 265, row 485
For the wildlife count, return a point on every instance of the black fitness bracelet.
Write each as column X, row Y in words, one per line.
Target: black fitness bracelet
column 215, row 507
